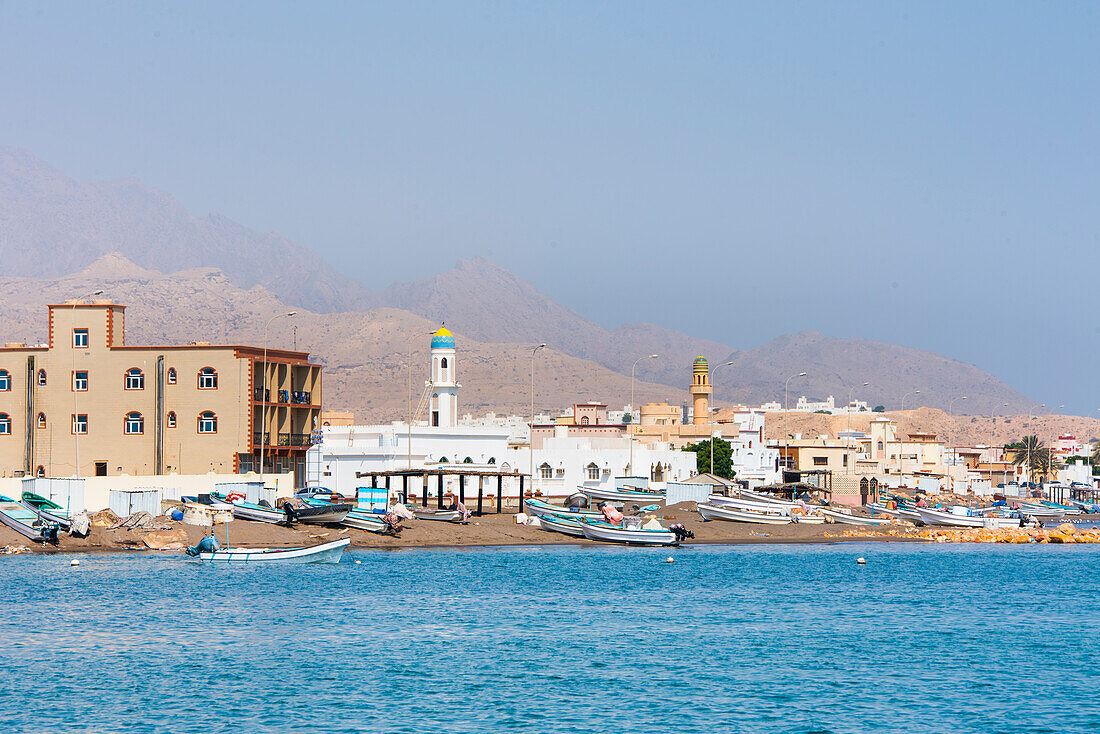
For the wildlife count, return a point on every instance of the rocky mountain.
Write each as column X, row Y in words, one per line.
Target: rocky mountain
column 366, row 355
column 53, row 225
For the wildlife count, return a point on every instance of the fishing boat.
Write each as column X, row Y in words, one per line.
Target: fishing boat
column 847, row 518
column 630, row 534
column 720, row 512
column 959, row 520
column 323, row 553
column 538, row 508
column 626, row 494
column 25, row 521
column 909, row 514
column 807, row 519
column 562, row 525
column 768, row 498
column 309, row 515
column 356, row 518
column 440, row 515
column 47, row 510
column 743, row 504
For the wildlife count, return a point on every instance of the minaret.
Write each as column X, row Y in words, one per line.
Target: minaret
column 444, row 402
column 700, row 392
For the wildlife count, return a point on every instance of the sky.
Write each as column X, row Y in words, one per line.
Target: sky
column 919, row 173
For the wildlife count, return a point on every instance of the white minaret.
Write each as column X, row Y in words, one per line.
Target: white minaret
column 444, row 403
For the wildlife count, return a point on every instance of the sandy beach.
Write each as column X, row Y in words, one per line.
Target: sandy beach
column 488, row 530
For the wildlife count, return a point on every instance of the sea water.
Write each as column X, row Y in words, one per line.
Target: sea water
column 958, row 638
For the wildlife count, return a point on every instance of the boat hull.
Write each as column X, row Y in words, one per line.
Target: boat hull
column 847, row 519
column 324, row 553
column 561, row 525
column 808, row 519
column 545, row 509
column 947, row 519
column 731, row 514
column 615, row 495
column 46, row 510
column 438, row 515
column 614, row 534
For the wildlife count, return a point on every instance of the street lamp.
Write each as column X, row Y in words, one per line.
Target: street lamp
column 631, row 435
column 785, row 384
column 951, row 403
column 992, row 423
column 903, row 397
column 263, row 395
column 954, row 450
column 725, row 364
column 531, row 435
column 76, row 409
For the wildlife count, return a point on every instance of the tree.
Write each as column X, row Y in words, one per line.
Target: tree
column 628, row 418
column 723, row 453
column 879, row 409
column 1032, row 453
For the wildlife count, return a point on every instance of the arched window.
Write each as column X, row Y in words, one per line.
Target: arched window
column 443, row 363
column 208, row 379
column 492, row 459
column 134, row 425
column 135, row 379
column 468, row 460
column 170, row 419
column 584, row 420
column 5, row 424
column 545, row 471
column 880, row 445
column 41, row 420
column 171, row 375
column 208, row 422
column 42, row 378
column 5, row 381
column 592, row 471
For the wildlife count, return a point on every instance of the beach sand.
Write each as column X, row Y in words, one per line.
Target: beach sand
column 488, row 530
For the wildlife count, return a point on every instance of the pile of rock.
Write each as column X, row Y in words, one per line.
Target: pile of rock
column 1064, row 533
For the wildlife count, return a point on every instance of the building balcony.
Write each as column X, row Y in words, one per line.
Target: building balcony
column 283, row 397
column 285, row 440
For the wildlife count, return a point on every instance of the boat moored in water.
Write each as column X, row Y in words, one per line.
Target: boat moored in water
column 323, row 553
column 632, row 532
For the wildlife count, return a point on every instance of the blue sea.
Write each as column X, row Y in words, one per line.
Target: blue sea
column 943, row 638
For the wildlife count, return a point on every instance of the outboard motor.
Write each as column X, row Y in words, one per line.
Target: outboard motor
column 48, row 532
column 681, row 532
column 290, row 513
column 209, row 544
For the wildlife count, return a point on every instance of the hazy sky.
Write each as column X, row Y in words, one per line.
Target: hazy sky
column 915, row 172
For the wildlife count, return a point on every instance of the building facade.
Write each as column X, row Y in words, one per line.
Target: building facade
column 88, row 404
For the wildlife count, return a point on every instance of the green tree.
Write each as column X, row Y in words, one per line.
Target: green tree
column 628, row 418
column 879, row 409
column 1034, row 454
column 723, row 454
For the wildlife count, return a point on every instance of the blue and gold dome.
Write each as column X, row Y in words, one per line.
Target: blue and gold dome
column 443, row 339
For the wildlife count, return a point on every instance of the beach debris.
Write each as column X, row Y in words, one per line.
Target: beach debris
column 80, row 525
column 175, row 539
column 14, row 550
column 142, row 521
column 104, row 519
column 861, row 561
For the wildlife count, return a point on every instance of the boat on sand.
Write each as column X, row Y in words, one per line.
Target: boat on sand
column 733, row 514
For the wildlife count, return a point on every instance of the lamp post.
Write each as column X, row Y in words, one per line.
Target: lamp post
column 725, row 364
column 992, row 423
column 263, row 395
column 903, row 397
column 848, row 438
column 785, row 384
column 76, row 409
column 954, row 450
column 531, row 435
column 631, row 435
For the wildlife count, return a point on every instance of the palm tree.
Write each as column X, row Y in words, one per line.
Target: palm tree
column 1034, row 454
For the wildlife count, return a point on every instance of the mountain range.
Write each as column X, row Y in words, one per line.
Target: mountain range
column 208, row 278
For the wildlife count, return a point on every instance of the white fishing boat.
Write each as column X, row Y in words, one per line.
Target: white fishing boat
column 626, row 494
column 742, row 504
column 441, row 515
column 25, row 521
column 847, row 518
column 720, row 512
column 902, row 513
column 807, row 519
column 771, row 499
column 959, row 520
column 323, row 553
column 538, row 508
column 561, row 525
column 608, row 533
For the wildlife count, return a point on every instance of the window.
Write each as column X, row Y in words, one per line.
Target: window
column 208, row 422
column 40, row 471
column 845, row 459
column 545, row 472
column 41, row 420
column 135, row 379
column 101, row 468
column 5, row 381
column 80, row 338
column 584, row 420
column 443, row 363
column 5, row 424
column 134, row 424
column 80, row 424
column 821, row 461
column 171, row 375
column 80, row 381
column 592, row 472
column 208, row 379
column 170, row 421
column 880, row 445
column 42, row 378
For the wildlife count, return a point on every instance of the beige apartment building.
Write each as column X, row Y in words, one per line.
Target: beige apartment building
column 88, row 404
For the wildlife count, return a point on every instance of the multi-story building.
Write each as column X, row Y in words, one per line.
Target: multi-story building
column 88, row 404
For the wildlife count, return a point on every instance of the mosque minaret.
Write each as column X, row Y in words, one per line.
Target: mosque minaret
column 700, row 392
column 444, row 402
